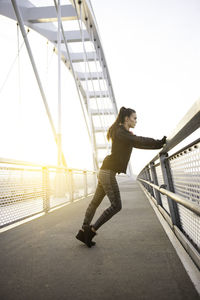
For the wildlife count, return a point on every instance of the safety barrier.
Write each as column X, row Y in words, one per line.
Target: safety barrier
column 173, row 183
column 28, row 189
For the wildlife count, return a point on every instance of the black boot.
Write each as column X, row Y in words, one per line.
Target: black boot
column 80, row 236
column 88, row 234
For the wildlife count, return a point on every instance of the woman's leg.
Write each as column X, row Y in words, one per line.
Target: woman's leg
column 110, row 186
column 96, row 200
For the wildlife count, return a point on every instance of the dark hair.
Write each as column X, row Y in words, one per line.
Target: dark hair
column 119, row 120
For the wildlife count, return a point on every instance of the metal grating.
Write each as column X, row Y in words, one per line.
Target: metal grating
column 190, row 223
column 21, row 193
column 28, row 190
column 91, row 183
column 160, row 181
column 78, row 185
column 59, row 191
column 185, row 170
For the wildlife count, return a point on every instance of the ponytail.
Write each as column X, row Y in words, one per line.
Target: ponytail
column 119, row 120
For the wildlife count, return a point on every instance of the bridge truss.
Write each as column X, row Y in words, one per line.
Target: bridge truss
column 88, row 66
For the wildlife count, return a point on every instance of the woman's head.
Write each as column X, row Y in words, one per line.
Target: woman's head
column 126, row 116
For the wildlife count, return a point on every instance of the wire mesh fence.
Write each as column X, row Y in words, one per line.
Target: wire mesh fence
column 180, row 174
column 161, row 182
column 26, row 190
column 185, row 170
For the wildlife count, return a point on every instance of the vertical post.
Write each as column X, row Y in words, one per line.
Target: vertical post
column 73, row 72
column 21, row 25
column 45, row 189
column 146, row 178
column 71, row 185
column 155, row 180
column 166, row 173
column 141, row 175
column 59, row 84
column 95, row 174
column 93, row 139
column 149, row 179
column 85, row 183
column 59, row 182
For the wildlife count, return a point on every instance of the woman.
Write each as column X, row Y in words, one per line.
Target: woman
column 123, row 141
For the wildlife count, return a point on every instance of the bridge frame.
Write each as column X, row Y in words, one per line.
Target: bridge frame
column 41, row 19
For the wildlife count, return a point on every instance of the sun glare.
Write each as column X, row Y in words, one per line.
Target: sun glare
column 25, row 129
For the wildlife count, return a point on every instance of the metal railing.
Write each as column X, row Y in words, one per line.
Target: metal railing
column 173, row 183
column 28, row 189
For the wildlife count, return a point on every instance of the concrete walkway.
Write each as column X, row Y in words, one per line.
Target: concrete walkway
column 132, row 259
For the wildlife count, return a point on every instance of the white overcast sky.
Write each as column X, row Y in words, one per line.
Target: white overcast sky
column 152, row 48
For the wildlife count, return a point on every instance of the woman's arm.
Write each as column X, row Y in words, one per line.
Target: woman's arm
column 140, row 141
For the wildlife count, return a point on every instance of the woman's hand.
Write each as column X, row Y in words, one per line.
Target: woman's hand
column 163, row 140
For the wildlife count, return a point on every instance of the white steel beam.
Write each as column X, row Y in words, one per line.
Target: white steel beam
column 103, row 146
column 79, row 57
column 7, row 10
column 51, row 34
column 107, row 111
column 100, row 129
column 48, row 14
column 21, row 24
column 37, row 14
column 59, row 136
column 74, row 36
column 98, row 94
column 47, row 30
column 90, row 76
column 91, row 23
column 42, row 20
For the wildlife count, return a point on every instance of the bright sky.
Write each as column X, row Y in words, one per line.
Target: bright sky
column 24, row 127
column 152, row 48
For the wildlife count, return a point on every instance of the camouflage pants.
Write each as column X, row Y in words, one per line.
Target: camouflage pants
column 107, row 185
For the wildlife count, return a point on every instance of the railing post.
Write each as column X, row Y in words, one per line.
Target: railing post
column 95, row 174
column 169, row 186
column 71, row 186
column 146, row 178
column 155, row 181
column 85, row 183
column 45, row 189
column 59, row 191
column 149, row 179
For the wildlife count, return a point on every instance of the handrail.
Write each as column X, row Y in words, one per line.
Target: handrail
column 42, row 187
column 185, row 148
column 188, row 124
column 26, row 163
column 173, row 180
column 191, row 206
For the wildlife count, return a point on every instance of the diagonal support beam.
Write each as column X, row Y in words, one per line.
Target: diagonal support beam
column 35, row 15
column 21, row 24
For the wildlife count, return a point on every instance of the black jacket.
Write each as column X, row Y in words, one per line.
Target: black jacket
column 122, row 146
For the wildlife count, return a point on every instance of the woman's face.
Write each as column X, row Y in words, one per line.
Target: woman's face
column 132, row 120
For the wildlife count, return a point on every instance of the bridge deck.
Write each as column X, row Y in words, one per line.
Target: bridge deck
column 133, row 257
